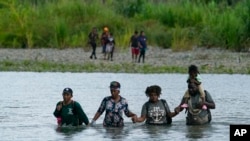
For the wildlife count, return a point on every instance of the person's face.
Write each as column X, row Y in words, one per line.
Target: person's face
column 114, row 93
column 192, row 74
column 67, row 97
column 192, row 89
column 153, row 97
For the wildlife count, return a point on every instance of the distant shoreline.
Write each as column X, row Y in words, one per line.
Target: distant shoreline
column 208, row 60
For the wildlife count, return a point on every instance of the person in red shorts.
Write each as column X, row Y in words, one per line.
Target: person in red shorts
column 134, row 44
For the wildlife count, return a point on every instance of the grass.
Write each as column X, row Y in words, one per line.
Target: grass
column 179, row 25
column 44, row 66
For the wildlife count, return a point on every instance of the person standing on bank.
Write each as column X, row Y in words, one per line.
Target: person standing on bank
column 134, row 44
column 69, row 112
column 115, row 105
column 155, row 111
column 93, row 36
column 110, row 47
column 143, row 46
column 197, row 115
column 104, row 40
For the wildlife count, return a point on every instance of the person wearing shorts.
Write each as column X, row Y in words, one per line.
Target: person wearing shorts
column 134, row 43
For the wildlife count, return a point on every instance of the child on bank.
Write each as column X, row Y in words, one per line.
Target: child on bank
column 194, row 76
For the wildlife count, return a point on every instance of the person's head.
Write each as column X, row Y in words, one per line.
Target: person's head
column 142, row 33
column 115, row 88
column 193, row 71
column 193, row 89
column 153, row 92
column 67, row 94
column 136, row 32
column 105, row 29
column 94, row 29
column 110, row 34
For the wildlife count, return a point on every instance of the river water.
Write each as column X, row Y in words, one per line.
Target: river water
column 28, row 100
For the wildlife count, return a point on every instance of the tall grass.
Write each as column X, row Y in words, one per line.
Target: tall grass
column 176, row 24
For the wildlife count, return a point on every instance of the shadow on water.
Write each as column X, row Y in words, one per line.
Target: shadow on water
column 69, row 131
column 141, row 131
column 198, row 131
column 112, row 132
column 115, row 133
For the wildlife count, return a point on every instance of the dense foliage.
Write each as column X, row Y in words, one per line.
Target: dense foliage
column 176, row 24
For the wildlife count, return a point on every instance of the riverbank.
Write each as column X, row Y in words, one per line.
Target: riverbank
column 157, row 61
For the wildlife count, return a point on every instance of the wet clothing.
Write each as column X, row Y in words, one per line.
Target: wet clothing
column 114, row 111
column 156, row 113
column 71, row 114
column 198, row 116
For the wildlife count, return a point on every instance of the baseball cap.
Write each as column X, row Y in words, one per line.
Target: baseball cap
column 115, row 85
column 68, row 91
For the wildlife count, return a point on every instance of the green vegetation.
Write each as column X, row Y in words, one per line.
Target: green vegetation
column 44, row 66
column 176, row 24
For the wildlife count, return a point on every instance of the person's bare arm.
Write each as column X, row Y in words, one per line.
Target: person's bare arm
column 139, row 119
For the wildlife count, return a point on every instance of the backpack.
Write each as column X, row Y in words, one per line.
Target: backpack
column 79, row 122
column 164, row 102
column 194, row 117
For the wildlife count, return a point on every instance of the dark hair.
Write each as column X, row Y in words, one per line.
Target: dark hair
column 136, row 32
column 153, row 89
column 193, row 68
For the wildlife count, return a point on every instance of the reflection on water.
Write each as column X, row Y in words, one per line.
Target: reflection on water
column 69, row 131
column 196, row 132
column 29, row 99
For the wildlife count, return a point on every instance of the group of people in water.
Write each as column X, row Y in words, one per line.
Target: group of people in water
column 138, row 44
column 155, row 111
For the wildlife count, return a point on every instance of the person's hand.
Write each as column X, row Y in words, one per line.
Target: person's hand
column 59, row 107
column 134, row 119
column 177, row 109
column 199, row 105
column 92, row 123
column 192, row 81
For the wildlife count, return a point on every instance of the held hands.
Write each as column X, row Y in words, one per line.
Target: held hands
column 177, row 109
column 200, row 104
column 92, row 123
column 134, row 118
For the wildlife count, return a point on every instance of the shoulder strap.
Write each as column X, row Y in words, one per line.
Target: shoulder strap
column 208, row 110
column 169, row 119
column 147, row 105
column 73, row 106
column 61, row 102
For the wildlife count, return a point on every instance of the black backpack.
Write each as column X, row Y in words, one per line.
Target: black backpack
column 164, row 102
